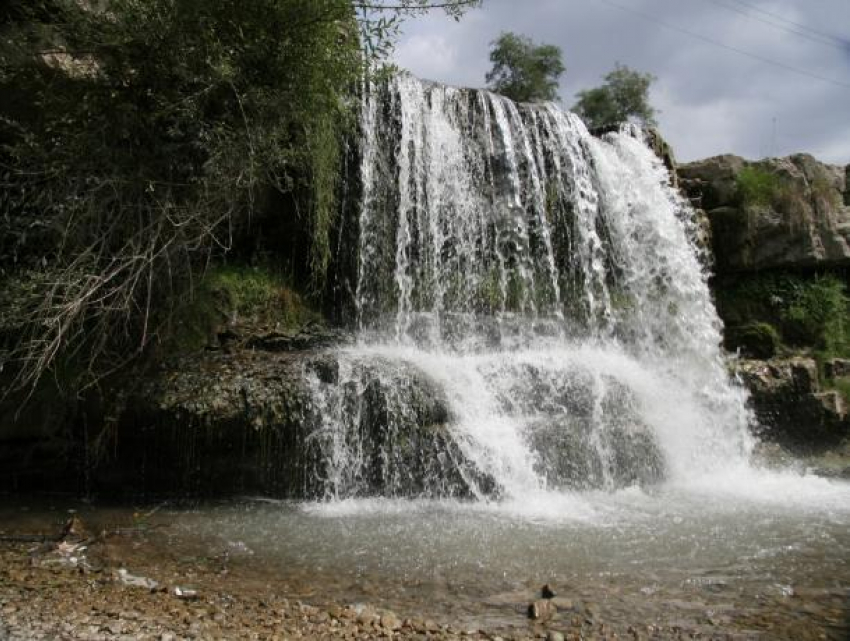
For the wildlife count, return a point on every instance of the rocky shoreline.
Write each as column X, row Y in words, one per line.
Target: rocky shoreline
column 136, row 578
column 46, row 592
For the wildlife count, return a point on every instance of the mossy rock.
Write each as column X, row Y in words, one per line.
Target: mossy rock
column 238, row 300
column 755, row 340
column 807, row 312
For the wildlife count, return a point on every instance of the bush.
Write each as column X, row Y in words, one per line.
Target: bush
column 807, row 312
column 139, row 148
column 817, row 315
column 756, row 186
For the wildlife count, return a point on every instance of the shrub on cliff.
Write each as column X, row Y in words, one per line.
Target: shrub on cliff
column 137, row 138
column 817, row 314
column 756, row 186
column 803, row 312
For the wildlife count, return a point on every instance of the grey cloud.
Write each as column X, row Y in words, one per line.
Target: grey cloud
column 712, row 100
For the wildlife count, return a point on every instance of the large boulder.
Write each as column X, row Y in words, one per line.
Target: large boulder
column 793, row 407
column 776, row 213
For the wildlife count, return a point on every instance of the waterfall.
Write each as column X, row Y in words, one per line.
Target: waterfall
column 543, row 287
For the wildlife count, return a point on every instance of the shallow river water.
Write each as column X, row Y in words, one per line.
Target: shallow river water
column 773, row 546
column 766, row 555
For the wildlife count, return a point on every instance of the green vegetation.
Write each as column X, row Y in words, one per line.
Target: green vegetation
column 755, row 186
column 842, row 386
column 809, row 313
column 141, row 140
column 138, row 140
column 524, row 71
column 237, row 298
column 817, row 314
column 757, row 340
column 624, row 95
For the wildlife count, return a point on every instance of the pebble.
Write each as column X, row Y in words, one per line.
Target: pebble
column 542, row 610
column 390, row 621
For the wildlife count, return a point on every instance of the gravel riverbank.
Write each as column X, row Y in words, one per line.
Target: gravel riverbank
column 134, row 576
column 80, row 587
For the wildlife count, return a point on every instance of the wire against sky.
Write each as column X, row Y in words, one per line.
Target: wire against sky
column 812, row 37
column 743, row 52
column 844, row 42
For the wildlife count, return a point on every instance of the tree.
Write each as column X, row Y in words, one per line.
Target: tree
column 139, row 139
column 624, row 96
column 136, row 140
column 524, row 71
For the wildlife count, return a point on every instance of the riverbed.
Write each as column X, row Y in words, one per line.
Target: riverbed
column 766, row 556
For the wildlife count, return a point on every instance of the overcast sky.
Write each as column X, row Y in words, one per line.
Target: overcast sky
column 711, row 99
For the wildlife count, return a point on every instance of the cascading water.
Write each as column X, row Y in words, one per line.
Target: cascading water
column 543, row 287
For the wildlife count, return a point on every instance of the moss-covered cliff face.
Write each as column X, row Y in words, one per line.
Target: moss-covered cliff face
column 780, row 238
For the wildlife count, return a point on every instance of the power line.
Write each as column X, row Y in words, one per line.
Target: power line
column 723, row 45
column 829, row 40
column 840, row 41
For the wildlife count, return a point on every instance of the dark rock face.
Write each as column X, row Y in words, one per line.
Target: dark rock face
column 777, row 213
column 37, row 439
column 341, row 423
column 792, row 407
column 217, row 423
column 624, row 453
column 260, row 421
column 779, row 218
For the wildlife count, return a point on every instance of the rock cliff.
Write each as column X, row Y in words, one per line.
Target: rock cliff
column 776, row 213
column 780, row 240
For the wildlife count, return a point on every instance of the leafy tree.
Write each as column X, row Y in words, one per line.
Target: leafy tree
column 139, row 138
column 623, row 96
column 524, row 71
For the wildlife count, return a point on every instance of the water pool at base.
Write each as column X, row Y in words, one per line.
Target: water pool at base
column 769, row 553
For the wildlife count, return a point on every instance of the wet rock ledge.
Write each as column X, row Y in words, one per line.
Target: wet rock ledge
column 800, row 417
column 258, row 416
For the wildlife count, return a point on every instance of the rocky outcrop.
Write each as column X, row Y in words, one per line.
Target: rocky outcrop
column 794, row 408
column 776, row 213
column 237, row 421
column 664, row 151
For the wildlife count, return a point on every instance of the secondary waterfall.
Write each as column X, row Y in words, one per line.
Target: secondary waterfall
column 533, row 314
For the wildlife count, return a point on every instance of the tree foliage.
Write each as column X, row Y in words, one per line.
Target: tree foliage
column 623, row 96
column 138, row 138
column 524, row 71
